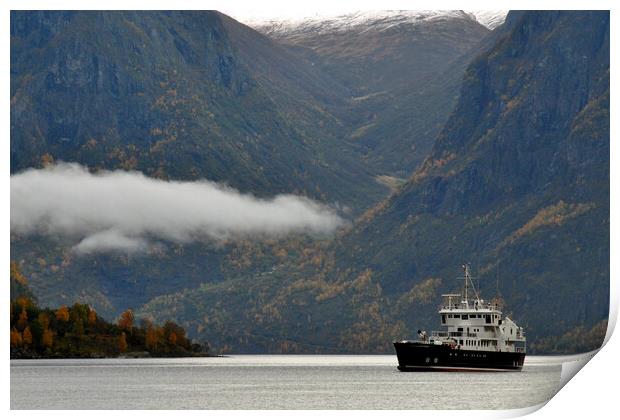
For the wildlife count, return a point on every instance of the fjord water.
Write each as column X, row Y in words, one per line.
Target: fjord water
column 273, row 382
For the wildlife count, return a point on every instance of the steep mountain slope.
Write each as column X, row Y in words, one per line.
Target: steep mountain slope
column 390, row 61
column 517, row 184
column 177, row 95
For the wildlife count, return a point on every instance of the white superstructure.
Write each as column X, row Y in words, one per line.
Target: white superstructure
column 475, row 324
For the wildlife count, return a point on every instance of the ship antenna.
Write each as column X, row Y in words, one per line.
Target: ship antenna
column 477, row 279
column 466, row 268
column 468, row 279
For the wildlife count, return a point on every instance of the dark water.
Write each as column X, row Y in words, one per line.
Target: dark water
column 272, row 382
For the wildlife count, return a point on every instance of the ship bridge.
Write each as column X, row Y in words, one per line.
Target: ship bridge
column 476, row 324
column 464, row 312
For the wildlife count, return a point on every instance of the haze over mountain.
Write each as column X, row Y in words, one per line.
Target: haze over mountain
column 495, row 145
column 390, row 61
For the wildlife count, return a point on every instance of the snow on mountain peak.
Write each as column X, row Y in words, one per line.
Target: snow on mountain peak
column 489, row 18
column 378, row 19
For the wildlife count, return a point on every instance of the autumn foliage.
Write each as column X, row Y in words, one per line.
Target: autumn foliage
column 77, row 331
column 62, row 314
column 126, row 319
column 122, row 343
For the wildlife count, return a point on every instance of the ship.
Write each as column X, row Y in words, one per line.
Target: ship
column 475, row 337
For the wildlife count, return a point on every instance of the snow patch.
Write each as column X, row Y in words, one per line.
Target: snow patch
column 361, row 20
column 489, row 18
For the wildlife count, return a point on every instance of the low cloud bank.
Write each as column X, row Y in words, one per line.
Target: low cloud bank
column 126, row 211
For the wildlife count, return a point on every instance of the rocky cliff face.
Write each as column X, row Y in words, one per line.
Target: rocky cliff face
column 176, row 95
column 517, row 185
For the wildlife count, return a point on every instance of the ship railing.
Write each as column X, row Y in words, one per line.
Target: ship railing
column 460, row 306
column 450, row 334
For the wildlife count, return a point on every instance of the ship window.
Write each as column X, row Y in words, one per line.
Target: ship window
column 449, row 316
column 488, row 319
column 443, row 319
column 457, row 316
column 464, row 316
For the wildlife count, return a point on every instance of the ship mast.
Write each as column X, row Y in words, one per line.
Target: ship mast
column 468, row 279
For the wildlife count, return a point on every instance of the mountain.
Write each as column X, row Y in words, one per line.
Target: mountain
column 390, row 61
column 517, row 184
column 179, row 95
column 490, row 18
column 175, row 95
column 190, row 95
column 494, row 143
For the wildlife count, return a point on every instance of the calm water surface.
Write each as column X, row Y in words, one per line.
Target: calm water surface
column 273, row 382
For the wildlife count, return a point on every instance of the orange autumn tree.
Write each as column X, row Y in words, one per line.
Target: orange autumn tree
column 24, row 302
column 122, row 343
column 62, row 314
column 27, row 337
column 47, row 338
column 126, row 320
column 92, row 317
column 151, row 337
column 44, row 320
column 17, row 275
column 16, row 338
column 172, row 339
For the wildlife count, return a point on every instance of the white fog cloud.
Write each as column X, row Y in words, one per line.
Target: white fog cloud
column 126, row 211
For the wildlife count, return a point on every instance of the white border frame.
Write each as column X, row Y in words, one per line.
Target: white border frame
column 591, row 394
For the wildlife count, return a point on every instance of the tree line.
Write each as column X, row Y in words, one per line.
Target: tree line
column 78, row 331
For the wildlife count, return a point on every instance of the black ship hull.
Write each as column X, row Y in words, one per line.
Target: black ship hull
column 417, row 356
